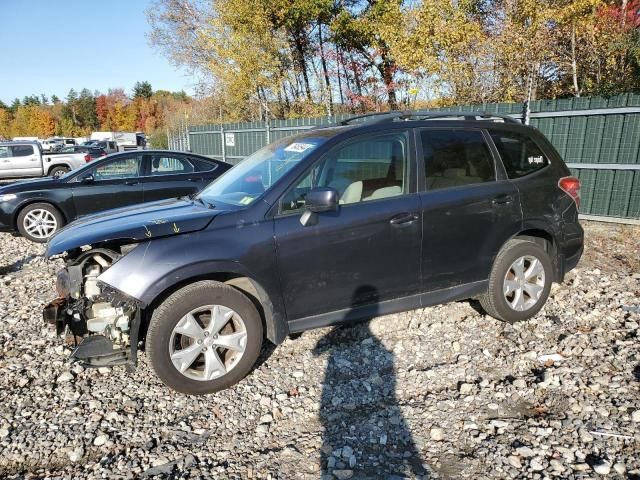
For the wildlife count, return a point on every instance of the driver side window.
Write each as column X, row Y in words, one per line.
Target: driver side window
column 366, row 169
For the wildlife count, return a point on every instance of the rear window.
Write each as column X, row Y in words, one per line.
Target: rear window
column 520, row 155
column 453, row 158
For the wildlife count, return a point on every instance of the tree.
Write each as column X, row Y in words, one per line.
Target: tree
column 142, row 90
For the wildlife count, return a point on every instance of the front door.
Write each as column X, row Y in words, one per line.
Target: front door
column 365, row 253
column 116, row 183
column 469, row 208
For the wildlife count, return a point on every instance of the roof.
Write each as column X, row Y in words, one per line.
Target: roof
column 19, row 142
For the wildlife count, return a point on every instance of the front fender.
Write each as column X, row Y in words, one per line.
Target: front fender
column 158, row 266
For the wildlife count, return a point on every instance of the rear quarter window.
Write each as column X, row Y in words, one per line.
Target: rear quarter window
column 520, row 155
column 203, row 165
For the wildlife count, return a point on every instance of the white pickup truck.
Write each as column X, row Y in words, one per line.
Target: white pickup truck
column 26, row 159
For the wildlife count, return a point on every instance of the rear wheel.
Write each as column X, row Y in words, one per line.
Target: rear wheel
column 58, row 171
column 39, row 221
column 204, row 338
column 519, row 283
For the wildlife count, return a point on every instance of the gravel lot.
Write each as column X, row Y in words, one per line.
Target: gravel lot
column 441, row 392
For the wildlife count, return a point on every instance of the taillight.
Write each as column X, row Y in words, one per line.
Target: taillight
column 87, row 158
column 571, row 186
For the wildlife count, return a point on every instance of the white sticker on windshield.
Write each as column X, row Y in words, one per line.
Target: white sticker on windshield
column 298, row 147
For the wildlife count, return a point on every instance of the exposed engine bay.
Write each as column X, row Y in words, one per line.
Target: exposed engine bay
column 98, row 318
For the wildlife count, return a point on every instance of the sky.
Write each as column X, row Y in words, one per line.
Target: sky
column 49, row 46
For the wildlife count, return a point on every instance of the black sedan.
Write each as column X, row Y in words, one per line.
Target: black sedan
column 36, row 209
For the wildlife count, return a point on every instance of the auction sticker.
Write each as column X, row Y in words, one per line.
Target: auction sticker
column 298, row 147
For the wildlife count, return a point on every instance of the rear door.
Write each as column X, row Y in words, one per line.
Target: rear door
column 5, row 160
column 116, row 183
column 25, row 161
column 169, row 175
column 469, row 207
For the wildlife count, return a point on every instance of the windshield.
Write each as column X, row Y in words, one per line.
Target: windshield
column 248, row 180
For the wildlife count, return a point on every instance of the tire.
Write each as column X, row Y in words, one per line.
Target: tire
column 28, row 218
column 517, row 304
column 163, row 341
column 59, row 171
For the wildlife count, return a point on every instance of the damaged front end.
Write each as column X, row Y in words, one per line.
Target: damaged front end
column 101, row 322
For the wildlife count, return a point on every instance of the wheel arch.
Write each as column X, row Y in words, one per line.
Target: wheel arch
column 274, row 324
column 546, row 239
column 16, row 214
column 61, row 164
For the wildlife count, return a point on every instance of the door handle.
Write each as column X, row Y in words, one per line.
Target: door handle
column 502, row 200
column 193, row 179
column 131, row 182
column 404, row 219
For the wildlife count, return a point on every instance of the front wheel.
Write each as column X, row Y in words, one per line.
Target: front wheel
column 519, row 283
column 204, row 338
column 39, row 221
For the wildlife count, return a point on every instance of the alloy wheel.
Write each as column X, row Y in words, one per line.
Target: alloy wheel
column 40, row 223
column 524, row 283
column 208, row 342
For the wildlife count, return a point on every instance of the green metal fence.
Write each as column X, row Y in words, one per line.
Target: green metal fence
column 599, row 139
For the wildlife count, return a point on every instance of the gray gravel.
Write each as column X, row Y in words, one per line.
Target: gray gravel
column 441, row 392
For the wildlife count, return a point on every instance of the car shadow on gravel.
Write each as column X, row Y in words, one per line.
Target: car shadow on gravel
column 17, row 265
column 365, row 434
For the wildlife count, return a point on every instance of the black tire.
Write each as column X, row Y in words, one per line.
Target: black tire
column 183, row 301
column 59, row 171
column 23, row 228
column 494, row 302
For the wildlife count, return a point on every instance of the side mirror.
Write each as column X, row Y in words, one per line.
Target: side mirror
column 88, row 178
column 322, row 199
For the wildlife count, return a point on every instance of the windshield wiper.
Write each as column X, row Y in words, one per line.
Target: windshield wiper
column 201, row 201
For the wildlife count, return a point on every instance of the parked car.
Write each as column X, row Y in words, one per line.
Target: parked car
column 50, row 145
column 38, row 209
column 333, row 225
column 106, row 145
column 92, row 152
column 25, row 159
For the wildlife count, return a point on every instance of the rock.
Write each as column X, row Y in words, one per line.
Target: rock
column 536, row 464
column 268, row 418
column 343, row 474
column 437, row 434
column 65, row 377
column 602, row 467
column 620, row 468
column 100, row 440
column 466, row 388
column 514, row 461
column 76, row 454
column 525, row 452
column 635, row 416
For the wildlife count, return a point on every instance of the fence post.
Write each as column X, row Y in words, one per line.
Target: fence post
column 224, row 150
column 268, row 131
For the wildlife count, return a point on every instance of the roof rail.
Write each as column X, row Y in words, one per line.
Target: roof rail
column 408, row 115
column 470, row 115
column 386, row 116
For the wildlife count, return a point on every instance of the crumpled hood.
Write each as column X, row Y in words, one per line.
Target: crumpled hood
column 133, row 224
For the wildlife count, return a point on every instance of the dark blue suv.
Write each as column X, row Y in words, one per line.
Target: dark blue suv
column 378, row 215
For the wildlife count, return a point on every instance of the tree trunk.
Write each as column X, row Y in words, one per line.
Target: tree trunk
column 356, row 78
column 338, row 63
column 302, row 63
column 386, row 70
column 574, row 63
column 324, row 70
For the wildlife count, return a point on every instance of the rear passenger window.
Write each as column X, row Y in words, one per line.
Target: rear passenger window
column 456, row 157
column 162, row 165
column 520, row 155
column 22, row 150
